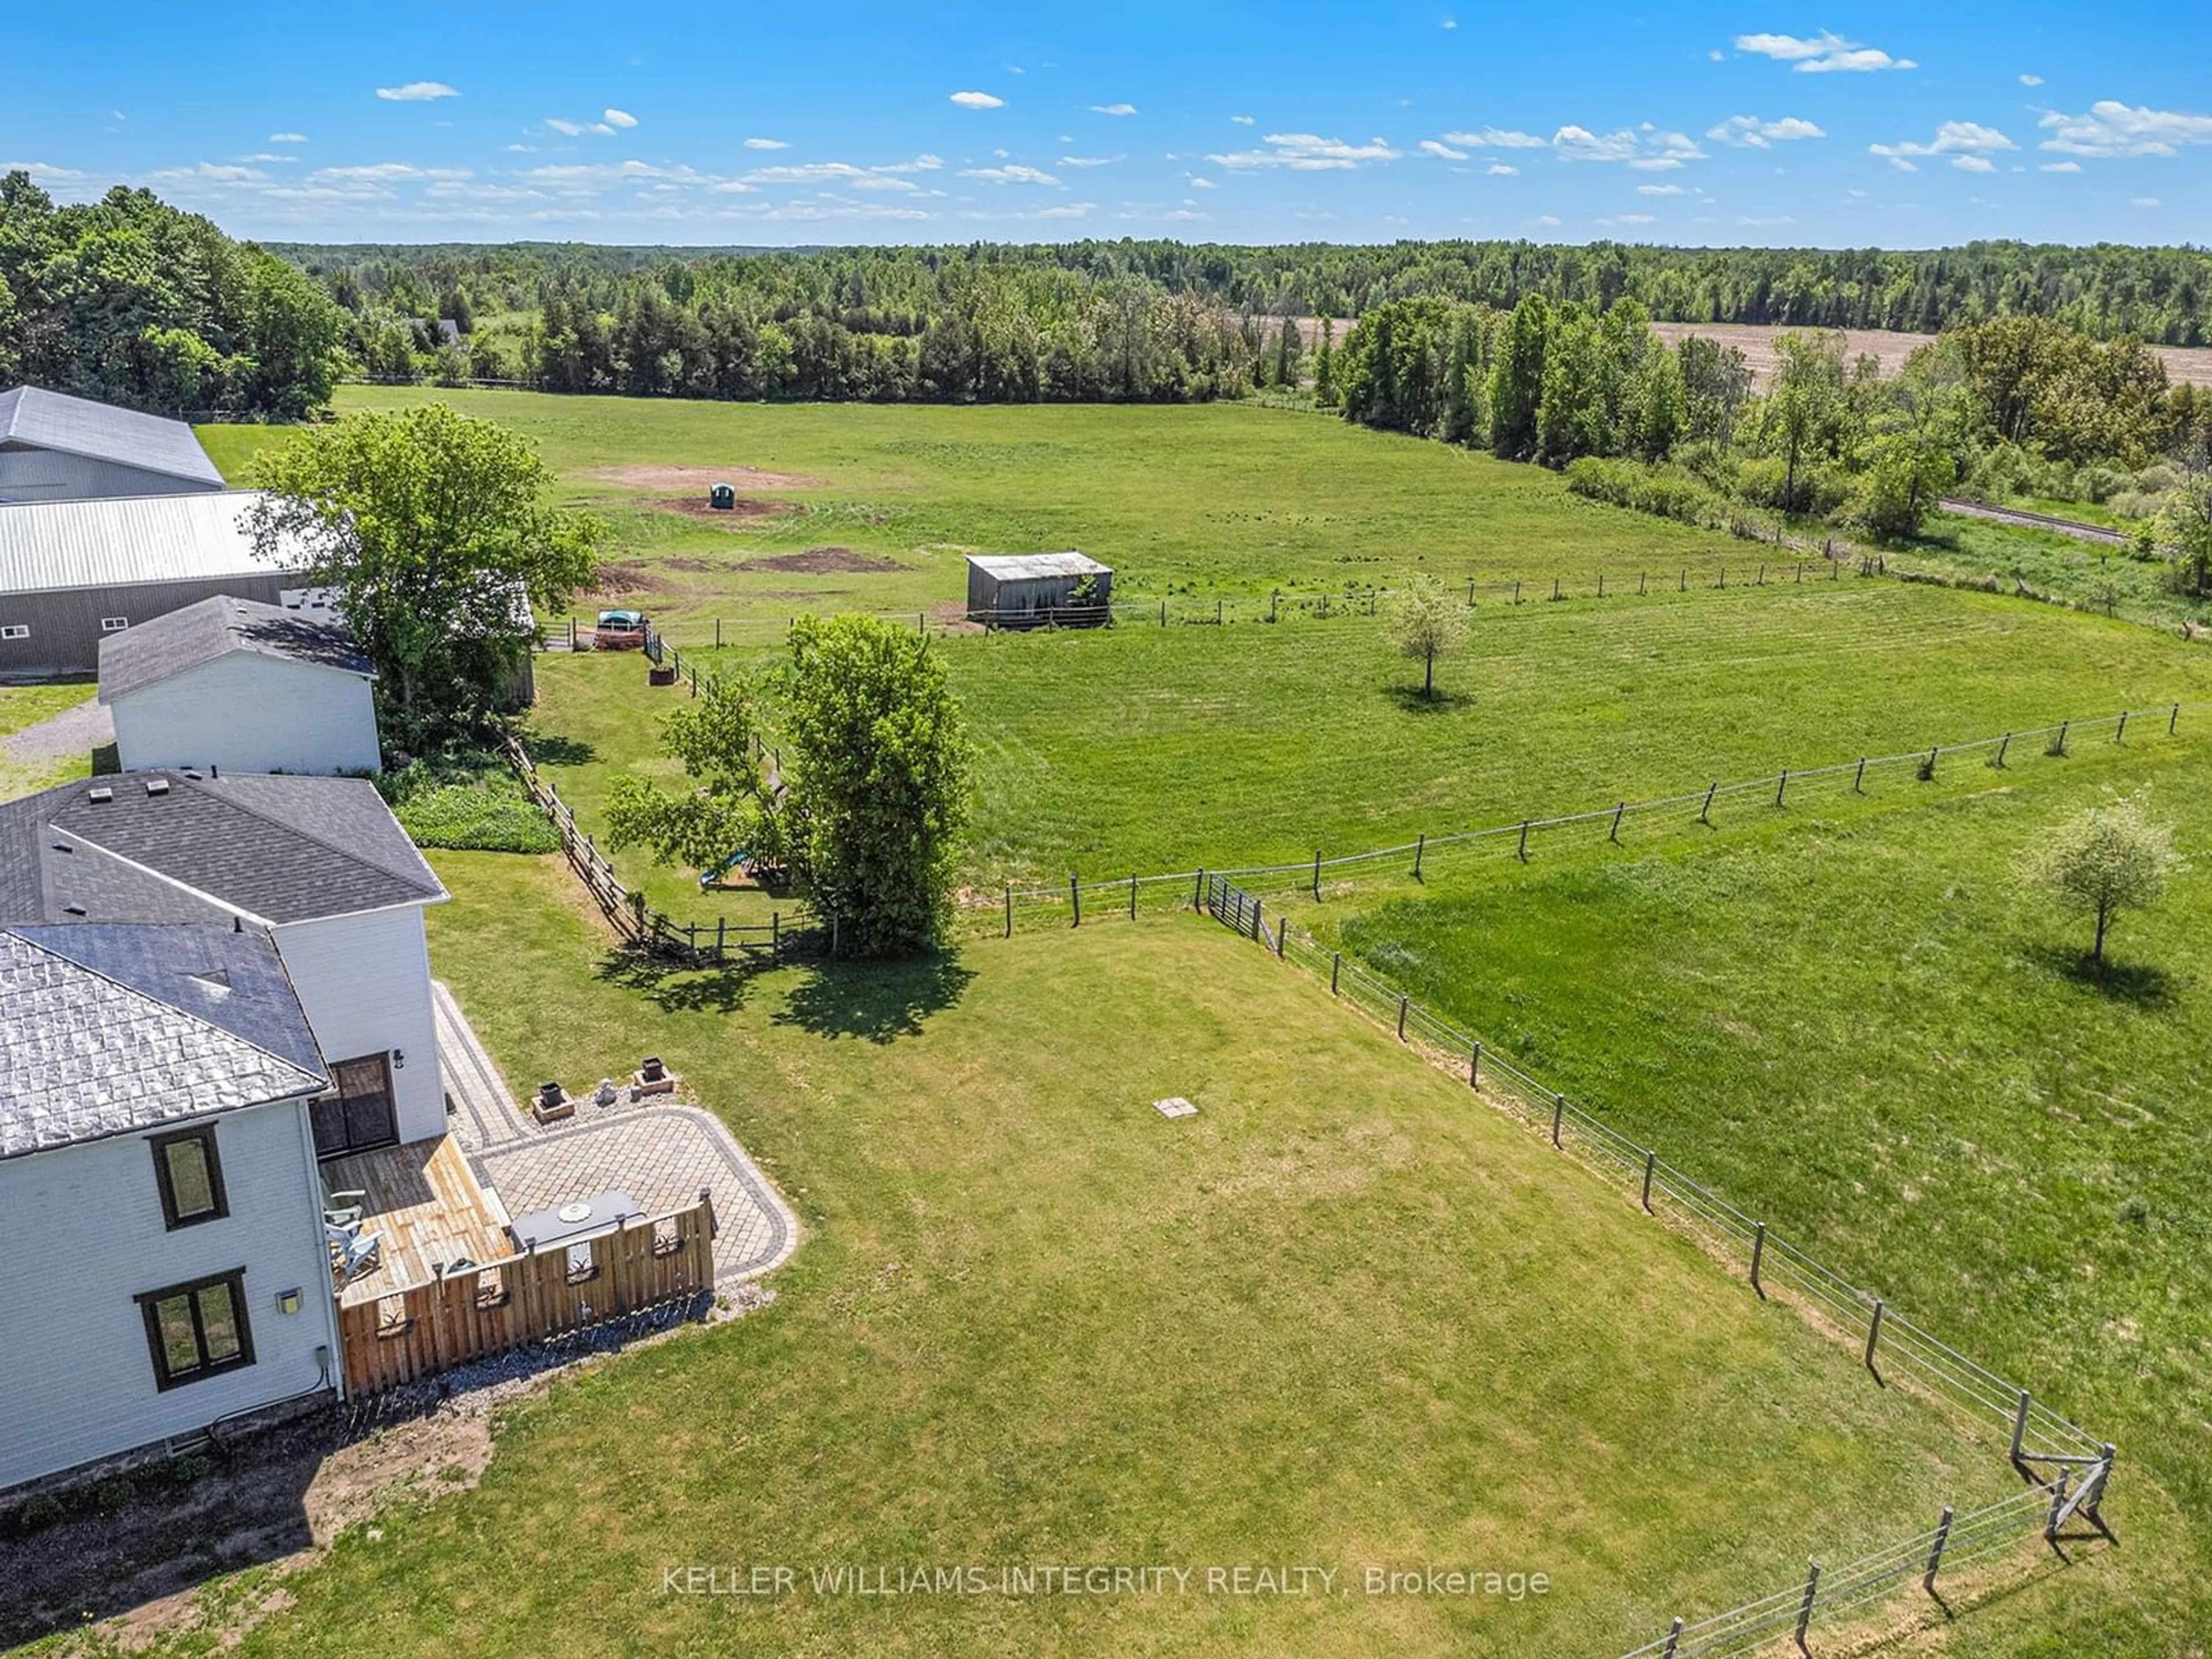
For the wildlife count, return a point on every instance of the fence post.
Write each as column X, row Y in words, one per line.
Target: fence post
column 2103, row 1477
column 1316, row 880
column 2059, row 747
column 1762, row 570
column 2057, row 1503
column 1198, row 889
column 1403, row 1000
column 1282, row 924
column 1274, row 600
column 1758, row 1255
column 2120, row 736
column 1934, row 750
column 718, row 633
column 1217, row 613
column 1705, row 812
column 720, row 925
column 1010, row 910
column 1523, row 853
column 1558, row 1117
column 1164, row 613
column 1475, row 1067
column 1650, row 1163
column 1555, row 587
column 1805, row 1607
column 1673, row 1637
column 2020, row 1425
column 1420, row 849
column 1873, row 1337
column 2003, row 744
column 2173, row 720
column 775, row 938
column 1686, row 579
column 1470, row 592
column 1614, row 836
column 1936, row 1551
column 1335, row 967
column 1781, row 784
column 1642, row 577
column 1600, row 584
column 1858, row 783
column 1133, row 895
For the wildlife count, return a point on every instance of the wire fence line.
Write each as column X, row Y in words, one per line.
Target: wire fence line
column 1067, row 903
column 701, row 633
column 2067, row 1466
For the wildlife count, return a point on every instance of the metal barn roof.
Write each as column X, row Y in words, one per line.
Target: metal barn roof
column 151, row 652
column 77, row 426
column 1019, row 567
column 126, row 540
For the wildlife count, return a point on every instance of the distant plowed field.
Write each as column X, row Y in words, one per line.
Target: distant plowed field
column 1756, row 341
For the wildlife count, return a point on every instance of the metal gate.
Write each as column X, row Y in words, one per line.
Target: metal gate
column 1233, row 908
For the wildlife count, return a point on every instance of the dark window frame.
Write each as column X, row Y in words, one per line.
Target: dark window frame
column 149, row 1303
column 336, row 1100
column 171, row 1218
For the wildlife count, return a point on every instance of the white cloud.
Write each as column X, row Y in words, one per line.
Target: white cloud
column 1658, row 190
column 2143, row 202
column 2031, row 80
column 1500, row 170
column 384, row 172
column 1951, row 138
column 1188, row 216
column 1445, row 152
column 619, row 117
column 1753, row 133
column 1758, row 221
column 1904, row 166
column 1112, row 109
column 1646, row 149
column 1068, row 210
column 766, row 143
column 1548, row 220
column 1198, row 183
column 1011, row 173
column 2060, row 167
column 1497, row 138
column 1973, row 164
column 879, row 179
column 1090, row 161
column 1306, row 152
column 288, row 138
column 1241, row 120
column 417, row 92
column 1451, row 23
column 978, row 101
column 2111, row 128
column 1820, row 54
column 1631, row 219
column 265, row 156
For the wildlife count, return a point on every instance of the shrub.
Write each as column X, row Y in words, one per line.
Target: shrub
column 190, row 1469
column 1664, row 492
column 467, row 800
column 41, row 1511
column 113, row 1494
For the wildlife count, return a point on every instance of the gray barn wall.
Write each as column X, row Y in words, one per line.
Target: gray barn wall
column 64, row 622
column 31, row 474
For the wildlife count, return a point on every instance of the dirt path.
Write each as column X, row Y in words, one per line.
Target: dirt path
column 75, row 730
column 2012, row 515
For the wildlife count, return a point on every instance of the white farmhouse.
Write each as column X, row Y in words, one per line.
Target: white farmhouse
column 318, row 862
column 240, row 686
column 159, row 1213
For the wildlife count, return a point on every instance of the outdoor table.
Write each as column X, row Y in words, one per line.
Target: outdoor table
column 546, row 1228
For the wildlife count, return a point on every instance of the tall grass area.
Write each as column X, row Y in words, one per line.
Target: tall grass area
column 1344, row 1316
column 1853, row 1022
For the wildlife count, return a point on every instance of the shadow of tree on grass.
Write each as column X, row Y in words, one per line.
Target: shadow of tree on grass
column 2136, row 983
column 679, row 990
column 876, row 1001
column 548, row 750
column 1411, row 701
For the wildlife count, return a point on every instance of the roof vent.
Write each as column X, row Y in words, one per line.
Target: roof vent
column 73, row 909
column 100, row 794
column 157, row 786
column 192, row 774
column 63, row 846
column 215, row 981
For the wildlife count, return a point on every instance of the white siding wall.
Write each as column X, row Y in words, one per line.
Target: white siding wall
column 81, row 1233
column 364, row 982
column 248, row 712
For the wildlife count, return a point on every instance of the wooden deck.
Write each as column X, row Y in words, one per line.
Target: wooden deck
column 429, row 1206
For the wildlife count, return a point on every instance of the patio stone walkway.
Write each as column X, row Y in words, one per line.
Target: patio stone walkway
column 660, row 1155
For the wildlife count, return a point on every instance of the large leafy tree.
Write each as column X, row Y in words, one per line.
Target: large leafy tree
column 432, row 528
column 879, row 761
column 2105, row 860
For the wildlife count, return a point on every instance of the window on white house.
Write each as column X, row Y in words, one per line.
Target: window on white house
column 16, row 631
column 197, row 1329
column 114, row 624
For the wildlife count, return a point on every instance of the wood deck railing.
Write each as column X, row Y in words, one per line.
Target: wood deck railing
column 421, row 1330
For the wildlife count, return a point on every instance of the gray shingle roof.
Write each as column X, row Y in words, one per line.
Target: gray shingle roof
column 104, row 1030
column 281, row 849
column 78, row 426
column 46, row 546
column 155, row 651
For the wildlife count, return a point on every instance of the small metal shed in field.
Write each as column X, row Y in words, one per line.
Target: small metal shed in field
column 1029, row 590
column 723, row 497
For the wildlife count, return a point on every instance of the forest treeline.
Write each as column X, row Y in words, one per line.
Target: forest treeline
column 130, row 301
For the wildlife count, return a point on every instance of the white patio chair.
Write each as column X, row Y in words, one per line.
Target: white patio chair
column 352, row 1252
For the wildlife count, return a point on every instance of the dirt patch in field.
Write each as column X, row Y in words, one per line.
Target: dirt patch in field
column 1888, row 347
column 826, row 561
column 729, row 518
column 622, row 576
column 701, row 478
column 696, row 567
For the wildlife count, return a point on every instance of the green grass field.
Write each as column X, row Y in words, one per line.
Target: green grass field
column 1184, row 502
column 1345, row 1316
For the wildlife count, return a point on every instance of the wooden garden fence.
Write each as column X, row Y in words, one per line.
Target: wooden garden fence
column 647, row 1261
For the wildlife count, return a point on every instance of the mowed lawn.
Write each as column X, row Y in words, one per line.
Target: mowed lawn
column 1345, row 1317
column 1855, row 1023
column 1143, row 750
column 1185, row 502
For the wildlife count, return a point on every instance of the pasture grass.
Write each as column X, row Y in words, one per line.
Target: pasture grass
column 1851, row 1018
column 1345, row 1316
column 2089, row 574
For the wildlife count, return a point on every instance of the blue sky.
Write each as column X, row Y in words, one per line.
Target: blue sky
column 1775, row 122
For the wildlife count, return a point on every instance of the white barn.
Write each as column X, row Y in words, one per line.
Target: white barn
column 240, row 686
column 167, row 1266
column 58, row 448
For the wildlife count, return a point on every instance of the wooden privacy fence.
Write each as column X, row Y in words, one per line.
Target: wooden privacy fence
column 419, row 1330
column 2066, row 1467
column 695, row 944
